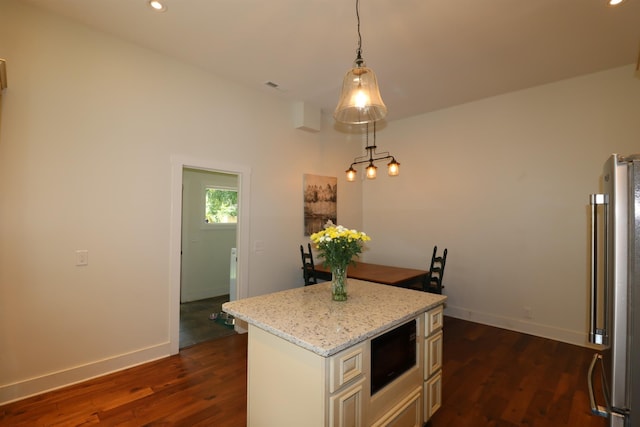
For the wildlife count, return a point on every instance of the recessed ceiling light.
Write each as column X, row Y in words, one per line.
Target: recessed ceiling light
column 615, row 2
column 157, row 6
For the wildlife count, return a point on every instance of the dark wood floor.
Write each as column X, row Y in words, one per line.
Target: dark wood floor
column 491, row 377
column 204, row 385
column 495, row 377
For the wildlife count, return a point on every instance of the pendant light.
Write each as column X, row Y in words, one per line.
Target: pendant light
column 360, row 100
column 393, row 167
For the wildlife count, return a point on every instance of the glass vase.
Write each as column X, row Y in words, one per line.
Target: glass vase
column 339, row 282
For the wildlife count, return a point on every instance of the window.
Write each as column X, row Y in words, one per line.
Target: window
column 221, row 205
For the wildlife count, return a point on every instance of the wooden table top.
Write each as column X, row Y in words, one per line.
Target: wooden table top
column 378, row 273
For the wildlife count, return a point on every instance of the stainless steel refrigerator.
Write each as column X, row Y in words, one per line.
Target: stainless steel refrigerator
column 614, row 373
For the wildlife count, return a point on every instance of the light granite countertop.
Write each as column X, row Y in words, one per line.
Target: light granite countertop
column 308, row 317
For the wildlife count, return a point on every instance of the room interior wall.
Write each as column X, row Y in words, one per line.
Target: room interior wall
column 90, row 125
column 504, row 184
column 205, row 248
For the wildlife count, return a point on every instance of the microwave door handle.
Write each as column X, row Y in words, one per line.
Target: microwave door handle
column 596, row 336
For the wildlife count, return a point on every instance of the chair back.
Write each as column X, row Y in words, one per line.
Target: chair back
column 308, row 267
column 433, row 281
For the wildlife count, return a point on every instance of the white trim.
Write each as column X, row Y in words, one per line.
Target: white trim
column 178, row 163
column 66, row 377
column 579, row 338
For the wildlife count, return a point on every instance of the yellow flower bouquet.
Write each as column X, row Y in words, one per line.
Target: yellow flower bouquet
column 337, row 245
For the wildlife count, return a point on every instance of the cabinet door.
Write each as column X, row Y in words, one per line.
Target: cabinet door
column 432, row 395
column 434, row 320
column 433, row 355
column 346, row 407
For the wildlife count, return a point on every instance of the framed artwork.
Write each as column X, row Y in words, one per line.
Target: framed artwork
column 320, row 202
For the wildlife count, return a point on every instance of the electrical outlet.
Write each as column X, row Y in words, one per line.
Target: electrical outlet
column 528, row 313
column 82, row 257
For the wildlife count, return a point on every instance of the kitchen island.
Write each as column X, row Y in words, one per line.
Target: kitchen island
column 309, row 358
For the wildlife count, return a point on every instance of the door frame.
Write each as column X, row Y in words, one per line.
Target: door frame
column 178, row 163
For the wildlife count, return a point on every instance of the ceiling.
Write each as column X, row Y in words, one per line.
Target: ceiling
column 427, row 54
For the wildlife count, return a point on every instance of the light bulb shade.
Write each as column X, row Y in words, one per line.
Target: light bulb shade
column 351, row 174
column 393, row 167
column 371, row 171
column 360, row 100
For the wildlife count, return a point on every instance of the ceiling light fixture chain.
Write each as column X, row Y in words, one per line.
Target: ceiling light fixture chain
column 359, row 61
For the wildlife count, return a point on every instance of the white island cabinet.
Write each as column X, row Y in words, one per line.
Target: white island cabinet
column 309, row 358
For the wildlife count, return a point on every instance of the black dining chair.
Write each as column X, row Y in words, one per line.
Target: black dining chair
column 308, row 267
column 433, row 281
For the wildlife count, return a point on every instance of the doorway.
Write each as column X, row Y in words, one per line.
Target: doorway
column 209, row 242
column 178, row 235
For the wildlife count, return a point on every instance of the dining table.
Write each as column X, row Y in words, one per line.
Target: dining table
column 386, row 274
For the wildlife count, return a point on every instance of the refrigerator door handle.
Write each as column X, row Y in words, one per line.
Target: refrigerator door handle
column 596, row 335
column 595, row 408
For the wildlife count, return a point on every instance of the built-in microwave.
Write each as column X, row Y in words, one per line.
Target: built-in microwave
column 392, row 354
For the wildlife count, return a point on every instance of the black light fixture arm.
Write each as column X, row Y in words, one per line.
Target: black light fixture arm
column 372, row 156
column 371, row 149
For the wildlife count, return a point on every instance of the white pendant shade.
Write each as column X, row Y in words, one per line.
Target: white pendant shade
column 360, row 101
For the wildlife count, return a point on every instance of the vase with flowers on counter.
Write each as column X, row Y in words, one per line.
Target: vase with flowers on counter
column 337, row 245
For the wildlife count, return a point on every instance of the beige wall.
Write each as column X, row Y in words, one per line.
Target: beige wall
column 503, row 183
column 90, row 125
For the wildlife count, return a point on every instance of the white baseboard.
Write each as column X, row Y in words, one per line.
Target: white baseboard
column 33, row 386
column 579, row 338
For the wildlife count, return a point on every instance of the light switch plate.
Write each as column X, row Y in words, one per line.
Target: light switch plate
column 82, row 257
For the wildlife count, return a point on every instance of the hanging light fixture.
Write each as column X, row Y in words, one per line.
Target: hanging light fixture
column 393, row 167
column 360, row 100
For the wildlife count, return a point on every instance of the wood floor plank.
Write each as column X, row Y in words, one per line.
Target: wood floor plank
column 491, row 377
column 495, row 377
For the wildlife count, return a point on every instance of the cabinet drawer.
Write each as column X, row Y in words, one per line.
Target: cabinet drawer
column 433, row 355
column 432, row 396
column 345, row 366
column 434, row 320
column 346, row 407
column 404, row 414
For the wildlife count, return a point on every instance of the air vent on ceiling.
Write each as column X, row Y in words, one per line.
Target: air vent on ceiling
column 274, row 85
